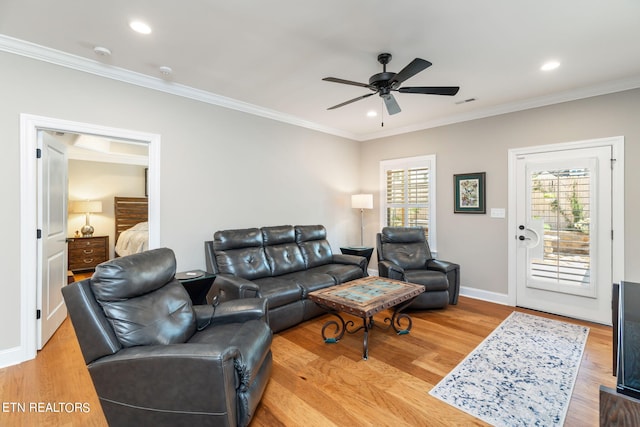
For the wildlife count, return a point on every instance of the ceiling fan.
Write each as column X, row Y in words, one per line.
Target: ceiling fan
column 386, row 82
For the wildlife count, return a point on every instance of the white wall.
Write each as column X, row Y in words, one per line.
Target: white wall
column 477, row 242
column 102, row 181
column 222, row 168
column 219, row 168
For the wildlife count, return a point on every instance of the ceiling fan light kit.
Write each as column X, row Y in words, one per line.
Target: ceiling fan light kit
column 386, row 82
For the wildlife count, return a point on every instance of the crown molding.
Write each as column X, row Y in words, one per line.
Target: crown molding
column 53, row 56
column 41, row 53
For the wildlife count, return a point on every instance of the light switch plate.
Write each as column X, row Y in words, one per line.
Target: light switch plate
column 498, row 212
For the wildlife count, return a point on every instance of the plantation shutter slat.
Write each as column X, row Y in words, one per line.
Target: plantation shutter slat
column 407, row 197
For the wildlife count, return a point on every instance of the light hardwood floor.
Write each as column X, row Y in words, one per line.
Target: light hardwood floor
column 317, row 384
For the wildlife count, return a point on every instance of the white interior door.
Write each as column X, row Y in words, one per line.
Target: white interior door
column 564, row 243
column 52, row 221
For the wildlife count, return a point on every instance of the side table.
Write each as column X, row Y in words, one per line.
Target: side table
column 358, row 250
column 197, row 283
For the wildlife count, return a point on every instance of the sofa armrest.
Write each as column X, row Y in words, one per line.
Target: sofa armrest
column 390, row 270
column 441, row 266
column 253, row 341
column 360, row 261
column 228, row 287
column 203, row 313
column 240, row 311
column 452, row 271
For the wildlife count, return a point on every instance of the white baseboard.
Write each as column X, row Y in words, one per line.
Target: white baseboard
column 484, row 295
column 11, row 356
column 471, row 292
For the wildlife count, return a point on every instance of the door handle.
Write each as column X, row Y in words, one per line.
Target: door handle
column 535, row 233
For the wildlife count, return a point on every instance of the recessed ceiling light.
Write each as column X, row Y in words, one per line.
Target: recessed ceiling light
column 371, row 113
column 140, row 27
column 551, row 65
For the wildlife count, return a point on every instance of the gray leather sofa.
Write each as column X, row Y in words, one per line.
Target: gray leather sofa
column 282, row 264
column 156, row 360
column 404, row 254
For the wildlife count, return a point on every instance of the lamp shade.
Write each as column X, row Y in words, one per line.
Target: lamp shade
column 86, row 206
column 362, row 201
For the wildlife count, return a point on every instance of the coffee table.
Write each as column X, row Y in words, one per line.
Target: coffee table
column 364, row 298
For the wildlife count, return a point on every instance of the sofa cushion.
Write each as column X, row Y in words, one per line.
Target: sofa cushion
column 164, row 316
column 283, row 254
column 248, row 263
column 312, row 240
column 240, row 253
column 311, row 280
column 432, row 280
column 133, row 275
column 235, row 239
column 278, row 235
column 406, row 255
column 142, row 301
column 405, row 246
column 305, row 233
column 278, row 291
column 341, row 273
column 285, row 258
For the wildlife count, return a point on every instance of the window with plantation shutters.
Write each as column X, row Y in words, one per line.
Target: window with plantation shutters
column 408, row 194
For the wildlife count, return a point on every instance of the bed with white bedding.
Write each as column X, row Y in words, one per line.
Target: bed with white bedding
column 133, row 240
column 132, row 228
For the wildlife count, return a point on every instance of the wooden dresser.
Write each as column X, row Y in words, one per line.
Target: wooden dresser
column 87, row 252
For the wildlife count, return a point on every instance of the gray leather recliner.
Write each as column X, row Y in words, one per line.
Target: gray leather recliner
column 404, row 254
column 155, row 359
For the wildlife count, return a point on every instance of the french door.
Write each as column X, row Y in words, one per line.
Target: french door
column 564, row 232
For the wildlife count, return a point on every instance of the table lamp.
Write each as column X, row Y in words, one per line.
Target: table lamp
column 86, row 207
column 362, row 202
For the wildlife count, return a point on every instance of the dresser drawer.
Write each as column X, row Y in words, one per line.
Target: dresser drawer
column 86, row 243
column 85, row 253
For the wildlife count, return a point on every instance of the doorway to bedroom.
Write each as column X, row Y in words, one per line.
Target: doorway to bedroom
column 44, row 275
column 100, row 172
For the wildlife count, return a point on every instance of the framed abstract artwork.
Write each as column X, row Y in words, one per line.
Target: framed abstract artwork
column 469, row 193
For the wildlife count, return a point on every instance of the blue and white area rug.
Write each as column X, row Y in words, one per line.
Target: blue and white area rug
column 522, row 374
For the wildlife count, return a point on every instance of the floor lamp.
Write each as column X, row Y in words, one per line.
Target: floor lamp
column 362, row 202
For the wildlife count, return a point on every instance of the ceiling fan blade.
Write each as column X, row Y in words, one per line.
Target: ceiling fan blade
column 350, row 101
column 392, row 105
column 413, row 68
column 346, row 82
column 431, row 90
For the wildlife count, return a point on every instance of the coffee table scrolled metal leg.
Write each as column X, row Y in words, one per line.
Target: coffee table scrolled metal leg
column 338, row 329
column 398, row 318
column 367, row 325
column 396, row 322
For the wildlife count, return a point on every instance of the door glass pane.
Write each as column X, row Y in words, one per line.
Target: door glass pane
column 561, row 198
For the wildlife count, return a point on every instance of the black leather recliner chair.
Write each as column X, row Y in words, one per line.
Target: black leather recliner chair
column 404, row 254
column 155, row 359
